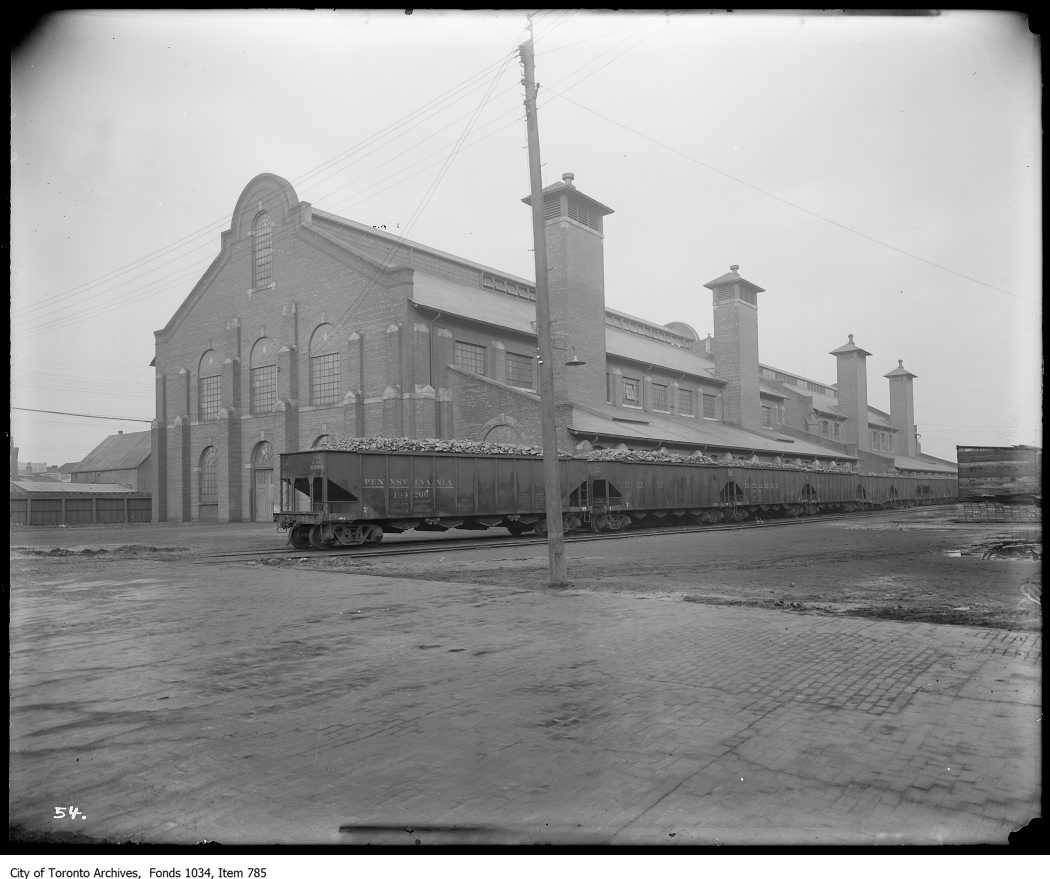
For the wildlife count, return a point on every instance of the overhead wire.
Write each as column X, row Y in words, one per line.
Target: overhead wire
column 81, row 414
column 370, row 286
column 162, row 285
column 392, row 129
column 785, row 201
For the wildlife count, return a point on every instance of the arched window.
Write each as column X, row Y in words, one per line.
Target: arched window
column 209, row 485
column 324, row 367
column 321, row 441
column 262, row 249
column 835, row 429
column 209, row 386
column 262, row 455
column 263, row 376
column 823, row 428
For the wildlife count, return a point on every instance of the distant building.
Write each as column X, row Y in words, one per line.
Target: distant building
column 65, row 472
column 121, row 459
column 308, row 325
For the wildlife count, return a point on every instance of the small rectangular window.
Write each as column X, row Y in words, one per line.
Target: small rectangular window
column 631, row 392
column 208, row 398
column 709, row 406
column 767, row 416
column 519, row 371
column 471, row 357
column 685, row 402
column 660, row 403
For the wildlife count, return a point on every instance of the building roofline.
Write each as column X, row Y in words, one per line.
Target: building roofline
column 399, row 241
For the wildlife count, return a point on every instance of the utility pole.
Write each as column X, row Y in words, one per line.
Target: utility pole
column 551, row 480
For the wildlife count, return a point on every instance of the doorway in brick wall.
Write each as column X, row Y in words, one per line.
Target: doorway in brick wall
column 262, row 482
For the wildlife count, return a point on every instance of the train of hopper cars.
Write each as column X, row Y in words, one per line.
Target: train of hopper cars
column 335, row 498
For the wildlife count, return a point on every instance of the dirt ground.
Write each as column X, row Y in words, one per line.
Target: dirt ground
column 917, row 565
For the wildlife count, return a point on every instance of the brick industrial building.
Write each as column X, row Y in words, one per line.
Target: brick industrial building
column 308, row 326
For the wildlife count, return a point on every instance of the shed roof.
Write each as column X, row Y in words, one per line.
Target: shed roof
column 122, row 451
column 473, row 303
column 519, row 315
column 926, row 463
column 642, row 349
column 20, row 486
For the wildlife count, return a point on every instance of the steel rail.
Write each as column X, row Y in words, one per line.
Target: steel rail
column 423, row 547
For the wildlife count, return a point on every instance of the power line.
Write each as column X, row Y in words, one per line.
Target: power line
column 82, row 415
column 792, row 204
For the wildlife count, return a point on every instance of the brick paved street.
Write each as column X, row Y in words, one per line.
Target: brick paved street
column 175, row 702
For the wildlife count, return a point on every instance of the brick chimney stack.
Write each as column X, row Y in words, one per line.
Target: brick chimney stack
column 852, row 387
column 576, row 280
column 902, row 410
column 735, row 303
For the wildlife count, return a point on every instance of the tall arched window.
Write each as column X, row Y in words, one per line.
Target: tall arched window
column 324, row 367
column 263, row 376
column 208, row 492
column 321, row 441
column 209, row 386
column 262, row 249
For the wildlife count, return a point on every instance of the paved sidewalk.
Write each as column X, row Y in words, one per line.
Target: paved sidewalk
column 176, row 703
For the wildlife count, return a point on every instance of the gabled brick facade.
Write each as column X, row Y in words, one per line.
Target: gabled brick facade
column 307, row 326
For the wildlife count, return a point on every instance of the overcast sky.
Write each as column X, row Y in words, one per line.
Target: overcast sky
column 876, row 175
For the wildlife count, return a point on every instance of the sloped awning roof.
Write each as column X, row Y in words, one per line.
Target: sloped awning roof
column 652, row 427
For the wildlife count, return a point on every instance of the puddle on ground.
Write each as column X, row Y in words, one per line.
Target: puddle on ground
column 1028, row 550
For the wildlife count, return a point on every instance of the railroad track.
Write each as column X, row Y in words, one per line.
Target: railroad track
column 423, row 547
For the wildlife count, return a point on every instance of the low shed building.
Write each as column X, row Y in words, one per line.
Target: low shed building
column 68, row 503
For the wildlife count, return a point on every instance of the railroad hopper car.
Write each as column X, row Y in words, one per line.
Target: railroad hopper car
column 349, row 498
